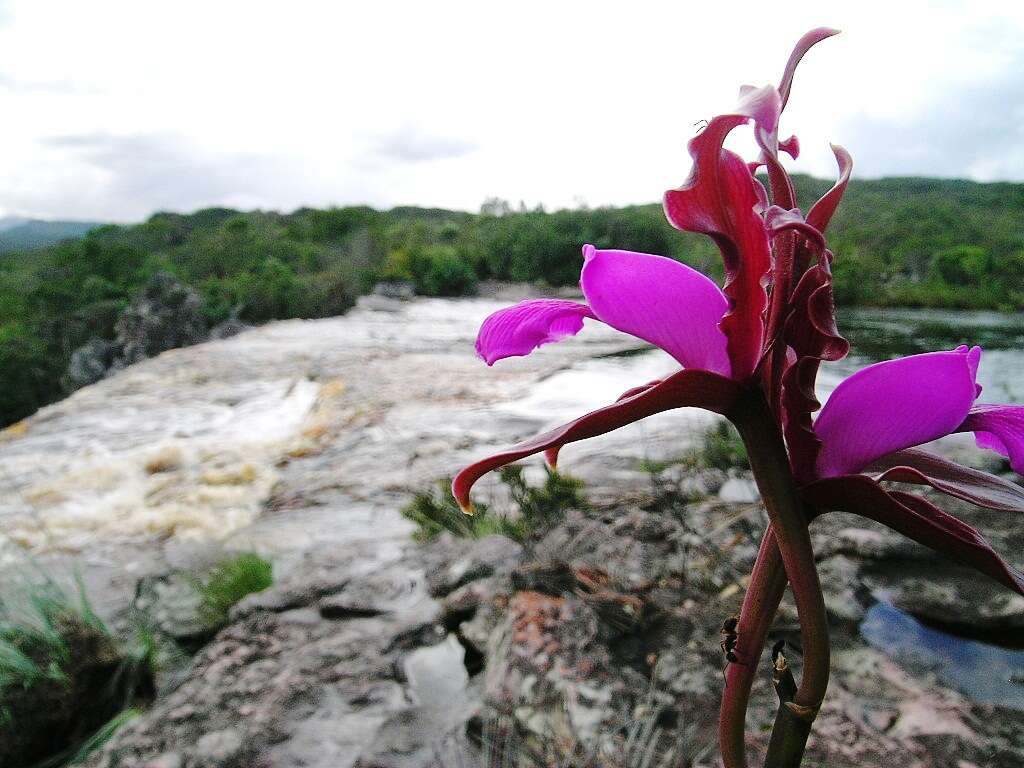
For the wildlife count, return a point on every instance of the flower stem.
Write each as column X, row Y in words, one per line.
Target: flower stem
column 770, row 464
column 767, row 585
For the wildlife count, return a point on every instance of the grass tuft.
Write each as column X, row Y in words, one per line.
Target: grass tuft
column 537, row 509
column 723, row 449
column 64, row 676
column 230, row 581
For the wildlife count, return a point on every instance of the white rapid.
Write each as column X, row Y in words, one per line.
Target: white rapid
column 302, row 434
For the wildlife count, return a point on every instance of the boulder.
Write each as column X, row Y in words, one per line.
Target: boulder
column 167, row 315
column 90, row 362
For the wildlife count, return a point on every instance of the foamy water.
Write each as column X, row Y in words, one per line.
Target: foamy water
column 332, row 422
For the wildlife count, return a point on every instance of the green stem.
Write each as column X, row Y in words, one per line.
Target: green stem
column 790, row 732
column 770, row 464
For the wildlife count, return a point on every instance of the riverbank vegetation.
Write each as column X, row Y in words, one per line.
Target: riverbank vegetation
column 532, row 509
column 906, row 242
column 67, row 680
column 228, row 582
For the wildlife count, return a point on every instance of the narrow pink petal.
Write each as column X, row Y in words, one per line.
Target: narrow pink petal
column 894, row 405
column 661, row 301
column 687, row 388
column 998, row 428
column 916, row 519
column 520, row 329
column 922, row 468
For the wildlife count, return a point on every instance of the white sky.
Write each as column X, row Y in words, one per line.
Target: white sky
column 113, row 110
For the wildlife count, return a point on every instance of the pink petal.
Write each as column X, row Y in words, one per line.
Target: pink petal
column 922, row 468
column 660, row 301
column 998, row 428
column 916, row 519
column 721, row 199
column 894, row 405
column 520, row 329
column 683, row 389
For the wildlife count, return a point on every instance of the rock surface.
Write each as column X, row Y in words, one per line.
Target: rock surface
column 301, row 440
column 166, row 315
column 599, row 639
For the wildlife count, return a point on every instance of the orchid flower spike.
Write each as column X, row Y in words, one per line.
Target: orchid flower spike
column 751, row 350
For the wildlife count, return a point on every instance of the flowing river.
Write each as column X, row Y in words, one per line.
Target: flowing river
column 192, row 445
column 304, row 434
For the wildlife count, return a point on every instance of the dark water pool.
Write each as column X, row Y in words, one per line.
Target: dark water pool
column 983, row 672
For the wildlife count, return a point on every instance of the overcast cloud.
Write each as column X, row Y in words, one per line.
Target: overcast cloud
column 114, row 109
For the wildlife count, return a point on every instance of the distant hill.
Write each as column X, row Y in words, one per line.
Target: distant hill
column 19, row 234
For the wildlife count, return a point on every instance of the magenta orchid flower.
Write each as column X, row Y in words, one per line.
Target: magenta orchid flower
column 750, row 351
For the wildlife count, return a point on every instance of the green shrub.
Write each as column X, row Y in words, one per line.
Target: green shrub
column 65, row 678
column 540, row 509
column 723, row 449
column 436, row 511
column 434, row 270
column 442, row 273
column 536, row 511
column 228, row 582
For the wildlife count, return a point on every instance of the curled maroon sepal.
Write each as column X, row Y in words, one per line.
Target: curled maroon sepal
column 687, row 388
column 913, row 465
column 812, row 334
column 721, row 199
column 916, row 519
column 803, row 45
column 779, row 220
column 821, row 212
column 790, row 146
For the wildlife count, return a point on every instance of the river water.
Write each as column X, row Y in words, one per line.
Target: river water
column 307, row 434
column 193, row 443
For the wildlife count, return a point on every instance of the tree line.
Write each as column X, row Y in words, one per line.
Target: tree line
column 898, row 242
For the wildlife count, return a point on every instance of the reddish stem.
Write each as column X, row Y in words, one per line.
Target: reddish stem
column 767, row 585
column 770, row 464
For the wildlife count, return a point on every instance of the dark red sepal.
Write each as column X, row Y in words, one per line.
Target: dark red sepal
column 916, row 519
column 812, row 334
column 687, row 388
column 922, row 468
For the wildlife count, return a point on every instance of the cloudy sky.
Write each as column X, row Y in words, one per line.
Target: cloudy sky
column 113, row 110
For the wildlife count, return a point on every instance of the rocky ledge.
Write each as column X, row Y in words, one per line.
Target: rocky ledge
column 596, row 644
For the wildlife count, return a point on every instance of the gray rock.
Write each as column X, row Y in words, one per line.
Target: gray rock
column 332, row 667
column 460, row 562
column 219, row 748
column 90, row 362
column 167, row 315
column 174, row 605
column 437, row 674
column 395, row 290
column 739, row 490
